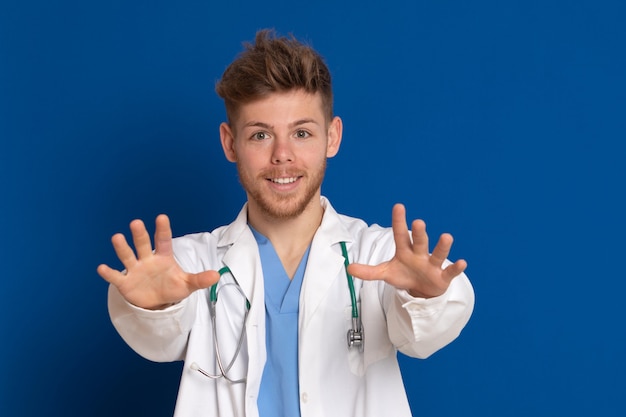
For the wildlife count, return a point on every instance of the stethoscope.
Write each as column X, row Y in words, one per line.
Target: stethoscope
column 355, row 334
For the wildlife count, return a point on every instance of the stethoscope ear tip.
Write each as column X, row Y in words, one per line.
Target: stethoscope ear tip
column 194, row 366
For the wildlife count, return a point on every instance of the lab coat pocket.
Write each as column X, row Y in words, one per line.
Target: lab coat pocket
column 376, row 343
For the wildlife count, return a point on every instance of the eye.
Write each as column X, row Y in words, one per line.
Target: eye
column 260, row 136
column 302, row 134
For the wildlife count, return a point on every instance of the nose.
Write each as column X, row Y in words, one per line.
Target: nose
column 282, row 151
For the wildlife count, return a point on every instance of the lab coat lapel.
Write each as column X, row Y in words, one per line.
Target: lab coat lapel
column 242, row 254
column 325, row 264
column 242, row 257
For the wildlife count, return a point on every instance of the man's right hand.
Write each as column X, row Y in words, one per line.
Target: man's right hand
column 152, row 279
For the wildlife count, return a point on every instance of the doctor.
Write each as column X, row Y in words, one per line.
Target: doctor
column 271, row 338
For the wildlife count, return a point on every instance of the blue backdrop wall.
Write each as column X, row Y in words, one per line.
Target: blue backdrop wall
column 502, row 122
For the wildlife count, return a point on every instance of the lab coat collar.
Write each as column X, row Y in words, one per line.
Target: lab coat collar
column 325, row 264
column 241, row 255
column 234, row 230
column 332, row 230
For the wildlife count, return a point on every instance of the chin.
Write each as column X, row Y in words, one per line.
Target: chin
column 283, row 207
column 283, row 210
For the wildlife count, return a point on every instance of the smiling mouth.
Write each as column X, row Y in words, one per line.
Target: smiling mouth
column 283, row 180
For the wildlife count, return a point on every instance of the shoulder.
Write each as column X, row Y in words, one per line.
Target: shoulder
column 359, row 228
column 369, row 243
column 194, row 241
column 197, row 251
column 375, row 244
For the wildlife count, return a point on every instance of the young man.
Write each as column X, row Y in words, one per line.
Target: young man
column 286, row 330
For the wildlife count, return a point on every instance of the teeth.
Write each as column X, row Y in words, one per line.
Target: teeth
column 284, row 180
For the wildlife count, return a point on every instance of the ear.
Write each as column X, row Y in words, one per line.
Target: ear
column 335, row 130
column 228, row 142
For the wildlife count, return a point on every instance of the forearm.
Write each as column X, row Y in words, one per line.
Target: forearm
column 157, row 335
column 419, row 327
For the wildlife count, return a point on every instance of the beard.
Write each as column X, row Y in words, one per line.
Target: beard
column 282, row 206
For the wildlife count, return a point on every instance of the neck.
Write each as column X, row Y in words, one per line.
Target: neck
column 282, row 231
column 290, row 237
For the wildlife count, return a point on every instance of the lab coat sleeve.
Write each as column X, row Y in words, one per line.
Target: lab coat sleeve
column 157, row 335
column 162, row 335
column 419, row 327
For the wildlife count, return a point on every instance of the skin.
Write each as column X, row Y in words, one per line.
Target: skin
column 280, row 144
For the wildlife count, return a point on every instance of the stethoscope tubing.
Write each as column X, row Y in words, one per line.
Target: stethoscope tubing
column 218, row 356
column 355, row 335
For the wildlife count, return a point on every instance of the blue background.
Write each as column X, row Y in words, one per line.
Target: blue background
column 502, row 122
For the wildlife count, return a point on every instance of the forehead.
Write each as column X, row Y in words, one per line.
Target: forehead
column 282, row 108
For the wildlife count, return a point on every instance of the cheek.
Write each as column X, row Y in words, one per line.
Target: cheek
column 319, row 158
column 249, row 161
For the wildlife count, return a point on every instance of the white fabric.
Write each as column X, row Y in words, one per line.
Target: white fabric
column 334, row 380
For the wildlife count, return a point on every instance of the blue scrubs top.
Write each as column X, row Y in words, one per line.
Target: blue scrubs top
column 279, row 394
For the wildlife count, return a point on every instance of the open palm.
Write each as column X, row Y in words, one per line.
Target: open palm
column 413, row 268
column 152, row 279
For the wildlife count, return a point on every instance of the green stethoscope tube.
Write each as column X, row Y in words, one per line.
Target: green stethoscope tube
column 355, row 309
column 355, row 335
column 344, row 252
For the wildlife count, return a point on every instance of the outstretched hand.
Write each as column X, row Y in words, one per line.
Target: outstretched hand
column 412, row 268
column 152, row 279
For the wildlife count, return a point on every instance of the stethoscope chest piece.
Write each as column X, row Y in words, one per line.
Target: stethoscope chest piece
column 355, row 335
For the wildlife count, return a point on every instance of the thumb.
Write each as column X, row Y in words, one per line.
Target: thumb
column 203, row 280
column 368, row 272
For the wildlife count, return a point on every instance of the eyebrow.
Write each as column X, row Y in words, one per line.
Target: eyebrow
column 269, row 127
column 302, row 122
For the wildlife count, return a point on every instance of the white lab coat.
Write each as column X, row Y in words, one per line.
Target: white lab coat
column 335, row 381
